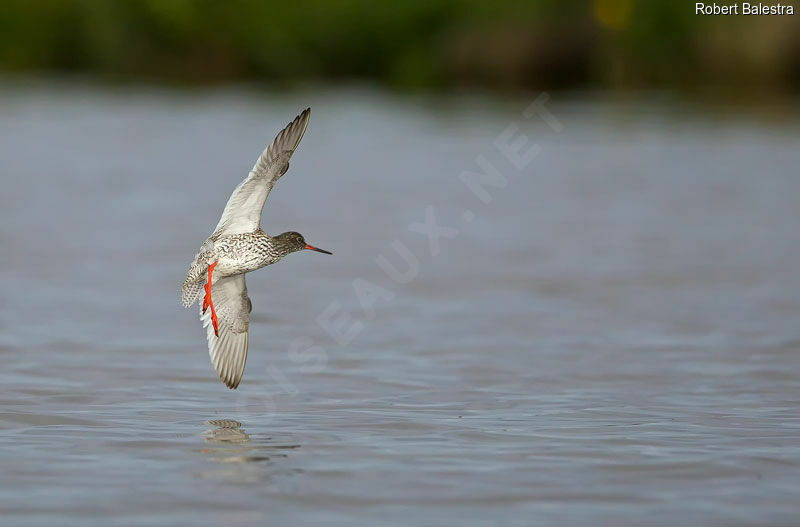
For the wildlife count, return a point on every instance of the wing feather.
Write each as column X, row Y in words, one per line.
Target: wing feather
column 243, row 211
column 228, row 352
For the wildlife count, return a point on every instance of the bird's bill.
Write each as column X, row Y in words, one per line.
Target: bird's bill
column 312, row 248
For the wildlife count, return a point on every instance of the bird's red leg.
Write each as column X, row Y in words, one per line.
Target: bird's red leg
column 207, row 287
column 207, row 300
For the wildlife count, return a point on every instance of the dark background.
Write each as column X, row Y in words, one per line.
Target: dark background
column 414, row 44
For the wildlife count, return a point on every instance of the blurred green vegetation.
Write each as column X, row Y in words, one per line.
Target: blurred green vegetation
column 508, row 44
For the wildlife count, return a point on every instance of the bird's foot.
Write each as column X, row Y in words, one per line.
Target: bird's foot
column 207, row 300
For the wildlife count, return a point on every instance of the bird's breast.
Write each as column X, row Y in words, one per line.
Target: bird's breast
column 241, row 254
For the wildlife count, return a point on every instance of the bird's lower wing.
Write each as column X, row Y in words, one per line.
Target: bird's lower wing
column 243, row 211
column 228, row 351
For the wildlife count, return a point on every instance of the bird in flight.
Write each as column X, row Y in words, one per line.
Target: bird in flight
column 238, row 246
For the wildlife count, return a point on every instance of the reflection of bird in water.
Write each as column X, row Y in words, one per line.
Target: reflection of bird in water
column 232, row 444
column 238, row 246
column 231, row 437
column 226, row 431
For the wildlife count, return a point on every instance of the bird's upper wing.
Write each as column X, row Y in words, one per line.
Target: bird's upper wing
column 229, row 350
column 243, row 211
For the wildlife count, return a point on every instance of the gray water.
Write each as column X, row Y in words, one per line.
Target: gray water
column 612, row 339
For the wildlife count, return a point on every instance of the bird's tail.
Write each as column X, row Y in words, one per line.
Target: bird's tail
column 195, row 279
column 190, row 292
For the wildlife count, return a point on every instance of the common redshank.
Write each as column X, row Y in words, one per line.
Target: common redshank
column 238, row 246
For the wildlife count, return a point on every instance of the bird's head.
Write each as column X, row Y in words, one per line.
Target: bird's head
column 290, row 242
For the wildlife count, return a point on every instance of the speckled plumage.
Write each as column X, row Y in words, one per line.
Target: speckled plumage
column 238, row 246
column 236, row 254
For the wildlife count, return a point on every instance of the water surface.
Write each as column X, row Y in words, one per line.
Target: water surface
column 612, row 339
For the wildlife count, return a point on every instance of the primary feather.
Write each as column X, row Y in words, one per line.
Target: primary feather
column 228, row 351
column 243, row 210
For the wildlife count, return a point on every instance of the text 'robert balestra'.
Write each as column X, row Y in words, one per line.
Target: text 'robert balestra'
column 746, row 9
